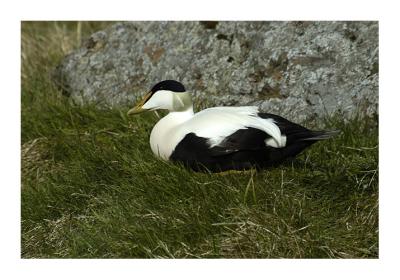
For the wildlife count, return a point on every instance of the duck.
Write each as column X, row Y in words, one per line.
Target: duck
column 221, row 139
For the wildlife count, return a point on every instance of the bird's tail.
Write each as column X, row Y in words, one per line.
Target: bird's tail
column 321, row 135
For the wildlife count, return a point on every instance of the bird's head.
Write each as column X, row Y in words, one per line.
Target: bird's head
column 168, row 95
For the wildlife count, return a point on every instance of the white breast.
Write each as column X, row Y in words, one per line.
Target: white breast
column 166, row 134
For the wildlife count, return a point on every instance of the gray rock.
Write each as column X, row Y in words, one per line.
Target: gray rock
column 300, row 70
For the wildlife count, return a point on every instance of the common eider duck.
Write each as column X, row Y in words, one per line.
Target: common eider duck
column 221, row 138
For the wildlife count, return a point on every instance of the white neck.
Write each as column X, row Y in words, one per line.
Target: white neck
column 180, row 116
column 166, row 132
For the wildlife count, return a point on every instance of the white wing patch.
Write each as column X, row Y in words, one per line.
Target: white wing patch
column 273, row 143
column 219, row 122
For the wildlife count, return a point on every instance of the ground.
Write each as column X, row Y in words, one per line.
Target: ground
column 91, row 188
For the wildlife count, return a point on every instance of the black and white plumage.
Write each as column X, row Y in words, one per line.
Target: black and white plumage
column 221, row 138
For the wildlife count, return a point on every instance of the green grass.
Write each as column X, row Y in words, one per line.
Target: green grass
column 91, row 187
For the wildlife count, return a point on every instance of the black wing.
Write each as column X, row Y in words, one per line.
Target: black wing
column 245, row 148
column 240, row 150
column 246, row 139
column 296, row 133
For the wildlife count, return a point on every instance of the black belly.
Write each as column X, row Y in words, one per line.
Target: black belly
column 195, row 153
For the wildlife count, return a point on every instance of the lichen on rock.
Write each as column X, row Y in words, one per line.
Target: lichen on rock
column 301, row 70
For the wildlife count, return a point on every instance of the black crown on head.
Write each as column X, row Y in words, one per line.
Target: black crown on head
column 171, row 85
